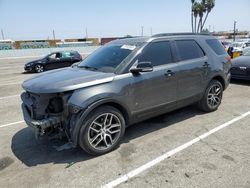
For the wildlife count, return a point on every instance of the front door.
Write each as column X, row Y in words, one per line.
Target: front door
column 53, row 61
column 66, row 59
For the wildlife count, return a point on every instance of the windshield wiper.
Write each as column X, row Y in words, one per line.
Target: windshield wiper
column 88, row 67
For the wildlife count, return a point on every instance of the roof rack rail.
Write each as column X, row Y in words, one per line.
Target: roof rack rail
column 173, row 34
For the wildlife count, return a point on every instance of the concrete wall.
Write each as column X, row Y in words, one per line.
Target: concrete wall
column 24, row 53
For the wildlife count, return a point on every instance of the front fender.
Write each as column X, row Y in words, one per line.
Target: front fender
column 82, row 116
column 90, row 98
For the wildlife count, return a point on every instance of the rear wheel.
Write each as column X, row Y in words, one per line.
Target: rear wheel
column 39, row 68
column 212, row 97
column 102, row 130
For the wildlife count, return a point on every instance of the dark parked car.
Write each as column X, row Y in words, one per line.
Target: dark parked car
column 241, row 66
column 123, row 83
column 54, row 60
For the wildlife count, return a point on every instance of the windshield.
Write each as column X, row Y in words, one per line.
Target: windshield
column 107, row 58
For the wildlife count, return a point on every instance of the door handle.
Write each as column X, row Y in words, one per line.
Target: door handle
column 206, row 64
column 169, row 73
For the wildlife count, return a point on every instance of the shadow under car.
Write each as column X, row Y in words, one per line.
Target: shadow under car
column 33, row 152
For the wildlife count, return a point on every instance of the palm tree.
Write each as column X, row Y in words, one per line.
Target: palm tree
column 195, row 12
column 201, row 9
column 209, row 5
column 192, row 15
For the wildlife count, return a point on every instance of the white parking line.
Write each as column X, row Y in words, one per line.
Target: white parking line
column 9, row 124
column 23, row 57
column 12, row 96
column 159, row 159
column 12, row 83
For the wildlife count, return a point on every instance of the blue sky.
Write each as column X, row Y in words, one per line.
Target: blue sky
column 35, row 19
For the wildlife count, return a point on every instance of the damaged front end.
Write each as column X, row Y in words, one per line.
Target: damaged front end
column 47, row 114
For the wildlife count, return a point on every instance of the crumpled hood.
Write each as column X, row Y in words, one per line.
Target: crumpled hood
column 243, row 61
column 65, row 79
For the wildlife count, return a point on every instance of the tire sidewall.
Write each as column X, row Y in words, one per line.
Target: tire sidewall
column 211, row 84
column 83, row 135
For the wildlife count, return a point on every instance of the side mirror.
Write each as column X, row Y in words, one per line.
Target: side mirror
column 74, row 65
column 142, row 67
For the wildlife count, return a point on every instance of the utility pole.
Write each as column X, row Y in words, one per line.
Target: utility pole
column 151, row 31
column 234, row 29
column 54, row 35
column 2, row 34
column 86, row 33
column 142, row 31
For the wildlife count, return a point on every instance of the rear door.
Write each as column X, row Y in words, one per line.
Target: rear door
column 154, row 92
column 75, row 57
column 66, row 59
column 194, row 69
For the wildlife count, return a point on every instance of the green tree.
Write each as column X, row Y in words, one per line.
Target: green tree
column 199, row 9
column 209, row 5
column 192, row 15
column 195, row 15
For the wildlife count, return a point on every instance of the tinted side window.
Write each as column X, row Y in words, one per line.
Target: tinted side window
column 65, row 54
column 189, row 49
column 73, row 54
column 216, row 46
column 158, row 53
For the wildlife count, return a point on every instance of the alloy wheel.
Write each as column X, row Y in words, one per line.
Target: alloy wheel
column 39, row 68
column 104, row 131
column 214, row 96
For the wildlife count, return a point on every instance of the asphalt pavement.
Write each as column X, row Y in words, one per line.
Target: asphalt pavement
column 222, row 159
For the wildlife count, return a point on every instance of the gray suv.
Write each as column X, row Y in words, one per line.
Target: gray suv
column 125, row 82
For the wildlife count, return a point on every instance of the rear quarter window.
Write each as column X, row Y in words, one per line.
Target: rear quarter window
column 65, row 54
column 216, row 46
column 189, row 49
column 73, row 54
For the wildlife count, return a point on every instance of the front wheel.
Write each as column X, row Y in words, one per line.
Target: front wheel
column 102, row 130
column 212, row 97
column 39, row 68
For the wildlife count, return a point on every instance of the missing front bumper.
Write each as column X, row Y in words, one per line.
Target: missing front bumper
column 40, row 126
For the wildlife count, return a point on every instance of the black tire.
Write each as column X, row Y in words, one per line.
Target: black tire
column 205, row 103
column 39, row 68
column 87, row 144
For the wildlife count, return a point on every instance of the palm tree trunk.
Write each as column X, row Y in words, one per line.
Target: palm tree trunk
column 199, row 25
column 192, row 21
column 195, row 23
column 204, row 20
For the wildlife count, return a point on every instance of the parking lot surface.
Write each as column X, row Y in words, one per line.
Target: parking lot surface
column 222, row 159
